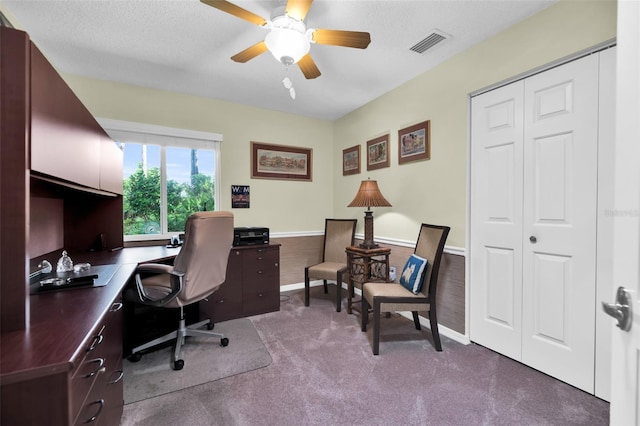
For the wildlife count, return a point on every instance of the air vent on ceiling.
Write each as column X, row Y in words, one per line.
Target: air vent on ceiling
column 429, row 41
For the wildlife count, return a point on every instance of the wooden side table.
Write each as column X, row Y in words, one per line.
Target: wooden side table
column 366, row 265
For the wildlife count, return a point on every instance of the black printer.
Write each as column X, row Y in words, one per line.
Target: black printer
column 250, row 236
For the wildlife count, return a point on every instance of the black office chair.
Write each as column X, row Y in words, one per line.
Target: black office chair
column 198, row 271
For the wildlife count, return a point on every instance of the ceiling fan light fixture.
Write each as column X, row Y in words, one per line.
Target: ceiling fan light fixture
column 287, row 45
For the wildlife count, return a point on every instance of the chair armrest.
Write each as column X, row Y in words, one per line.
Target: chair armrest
column 175, row 281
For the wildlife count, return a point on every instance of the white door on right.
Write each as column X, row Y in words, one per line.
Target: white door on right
column 625, row 354
column 533, row 217
column 559, row 225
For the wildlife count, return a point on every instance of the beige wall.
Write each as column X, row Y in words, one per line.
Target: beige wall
column 435, row 190
column 425, row 191
column 283, row 206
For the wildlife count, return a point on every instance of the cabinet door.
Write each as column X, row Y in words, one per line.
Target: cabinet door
column 111, row 163
column 261, row 281
column 65, row 138
column 226, row 302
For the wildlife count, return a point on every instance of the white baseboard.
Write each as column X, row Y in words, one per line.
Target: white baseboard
column 424, row 322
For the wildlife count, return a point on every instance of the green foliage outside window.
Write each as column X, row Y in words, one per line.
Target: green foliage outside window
column 142, row 201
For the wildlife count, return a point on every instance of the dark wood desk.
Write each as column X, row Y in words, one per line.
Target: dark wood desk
column 42, row 368
column 366, row 265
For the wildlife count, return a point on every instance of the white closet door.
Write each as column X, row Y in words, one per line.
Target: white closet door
column 496, row 219
column 560, row 196
column 533, row 217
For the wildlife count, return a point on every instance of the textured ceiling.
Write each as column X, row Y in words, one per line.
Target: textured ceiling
column 185, row 46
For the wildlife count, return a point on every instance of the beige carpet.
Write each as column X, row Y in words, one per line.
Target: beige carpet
column 204, row 361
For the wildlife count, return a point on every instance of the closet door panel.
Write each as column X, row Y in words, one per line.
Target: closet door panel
column 496, row 219
column 560, row 195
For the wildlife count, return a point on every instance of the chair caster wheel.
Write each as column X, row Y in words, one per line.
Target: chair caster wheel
column 210, row 326
column 224, row 341
column 135, row 357
column 178, row 364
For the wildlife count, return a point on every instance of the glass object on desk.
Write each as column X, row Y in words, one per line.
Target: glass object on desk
column 65, row 264
column 45, row 267
column 81, row 267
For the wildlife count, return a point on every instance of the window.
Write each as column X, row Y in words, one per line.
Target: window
column 168, row 174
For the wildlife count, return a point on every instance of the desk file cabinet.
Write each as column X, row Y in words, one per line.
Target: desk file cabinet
column 90, row 392
column 252, row 285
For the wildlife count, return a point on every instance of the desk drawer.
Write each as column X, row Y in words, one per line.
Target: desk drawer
column 101, row 363
column 89, row 368
column 259, row 302
column 260, row 256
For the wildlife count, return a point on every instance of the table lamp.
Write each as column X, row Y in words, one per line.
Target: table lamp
column 368, row 196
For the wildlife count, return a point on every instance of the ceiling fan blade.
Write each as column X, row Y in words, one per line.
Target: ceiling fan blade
column 298, row 9
column 250, row 52
column 308, row 67
column 237, row 11
column 355, row 39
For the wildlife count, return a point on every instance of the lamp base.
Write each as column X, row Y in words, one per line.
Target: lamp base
column 368, row 245
column 368, row 231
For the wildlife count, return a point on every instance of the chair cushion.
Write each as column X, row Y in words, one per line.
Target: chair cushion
column 411, row 277
column 326, row 270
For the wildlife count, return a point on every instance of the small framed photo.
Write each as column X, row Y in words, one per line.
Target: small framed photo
column 378, row 153
column 351, row 161
column 414, row 143
column 240, row 197
column 280, row 162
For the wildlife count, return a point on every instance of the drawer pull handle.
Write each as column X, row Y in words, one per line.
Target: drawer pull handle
column 100, row 402
column 96, row 341
column 116, row 307
column 260, row 272
column 117, row 379
column 260, row 258
column 99, row 369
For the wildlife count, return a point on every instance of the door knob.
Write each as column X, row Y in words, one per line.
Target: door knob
column 533, row 239
column 621, row 310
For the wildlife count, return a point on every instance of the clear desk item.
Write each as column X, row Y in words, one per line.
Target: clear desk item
column 65, row 264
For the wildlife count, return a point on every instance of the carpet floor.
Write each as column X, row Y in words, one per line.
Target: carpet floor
column 323, row 373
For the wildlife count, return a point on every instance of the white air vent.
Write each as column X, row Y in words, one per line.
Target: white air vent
column 429, row 41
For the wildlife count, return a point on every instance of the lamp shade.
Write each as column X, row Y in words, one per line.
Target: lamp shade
column 287, row 45
column 369, row 195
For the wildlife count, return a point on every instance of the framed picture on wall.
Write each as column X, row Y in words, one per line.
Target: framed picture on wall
column 240, row 197
column 414, row 143
column 378, row 153
column 280, row 162
column 351, row 161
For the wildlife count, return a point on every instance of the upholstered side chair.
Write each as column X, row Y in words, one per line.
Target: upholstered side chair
column 338, row 235
column 416, row 290
column 198, row 271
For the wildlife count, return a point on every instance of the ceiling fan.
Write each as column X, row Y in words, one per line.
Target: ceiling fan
column 288, row 39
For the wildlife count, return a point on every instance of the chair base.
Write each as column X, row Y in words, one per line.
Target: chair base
column 433, row 322
column 180, row 335
column 307, row 287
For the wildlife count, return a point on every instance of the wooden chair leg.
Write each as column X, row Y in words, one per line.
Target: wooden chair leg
column 376, row 326
column 364, row 314
column 306, row 286
column 338, row 291
column 433, row 320
column 416, row 320
column 326, row 287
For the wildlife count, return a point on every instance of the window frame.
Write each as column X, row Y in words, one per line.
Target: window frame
column 152, row 134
